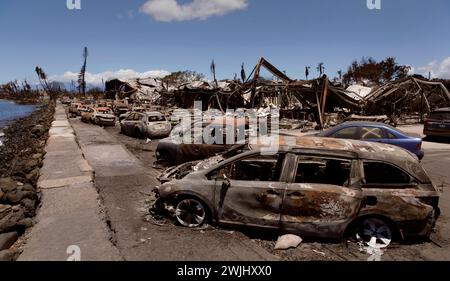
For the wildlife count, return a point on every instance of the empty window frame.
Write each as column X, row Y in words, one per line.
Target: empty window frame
column 257, row 168
column 378, row 173
column 323, row 171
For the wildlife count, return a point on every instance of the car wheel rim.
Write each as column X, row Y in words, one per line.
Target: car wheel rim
column 190, row 213
column 375, row 233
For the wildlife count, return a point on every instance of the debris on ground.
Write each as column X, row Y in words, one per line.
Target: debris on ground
column 319, row 252
column 288, row 241
column 374, row 252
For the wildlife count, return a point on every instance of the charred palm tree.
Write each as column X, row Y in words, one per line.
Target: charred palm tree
column 82, row 74
column 321, row 69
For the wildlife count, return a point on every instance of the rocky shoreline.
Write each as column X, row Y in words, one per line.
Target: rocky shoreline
column 21, row 157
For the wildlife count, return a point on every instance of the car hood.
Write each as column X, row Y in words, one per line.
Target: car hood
column 179, row 172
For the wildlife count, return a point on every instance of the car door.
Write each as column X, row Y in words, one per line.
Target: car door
column 411, row 143
column 90, row 115
column 254, row 193
column 394, row 193
column 322, row 197
column 140, row 120
column 128, row 124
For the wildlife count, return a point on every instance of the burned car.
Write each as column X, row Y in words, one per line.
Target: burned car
column 146, row 124
column 103, row 116
column 134, row 109
column 187, row 143
column 73, row 109
column 317, row 187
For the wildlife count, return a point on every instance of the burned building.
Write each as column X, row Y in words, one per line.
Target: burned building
column 313, row 100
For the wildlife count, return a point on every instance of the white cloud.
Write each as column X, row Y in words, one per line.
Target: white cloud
column 171, row 10
column 97, row 78
column 437, row 69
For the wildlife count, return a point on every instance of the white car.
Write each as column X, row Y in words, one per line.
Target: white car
column 146, row 124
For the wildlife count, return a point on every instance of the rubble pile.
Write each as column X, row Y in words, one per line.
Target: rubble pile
column 311, row 100
column 21, row 158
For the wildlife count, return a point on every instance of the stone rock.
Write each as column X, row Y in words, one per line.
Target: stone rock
column 7, row 240
column 38, row 130
column 37, row 156
column 14, row 196
column 7, row 184
column 30, row 207
column 33, row 175
column 10, row 221
column 26, row 222
column 28, row 187
column 30, row 165
column 4, row 210
column 2, row 196
column 7, row 255
column 288, row 241
column 24, row 166
column 30, row 195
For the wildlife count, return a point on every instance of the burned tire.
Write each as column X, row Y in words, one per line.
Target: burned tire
column 191, row 212
column 374, row 232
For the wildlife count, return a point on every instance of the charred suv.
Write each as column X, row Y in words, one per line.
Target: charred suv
column 317, row 187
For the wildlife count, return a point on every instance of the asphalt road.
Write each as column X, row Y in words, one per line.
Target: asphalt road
column 125, row 182
column 124, row 198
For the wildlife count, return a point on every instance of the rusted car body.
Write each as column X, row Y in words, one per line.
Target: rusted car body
column 86, row 116
column 73, row 108
column 318, row 187
column 176, row 149
column 103, row 116
column 99, row 116
column 82, row 108
column 146, row 125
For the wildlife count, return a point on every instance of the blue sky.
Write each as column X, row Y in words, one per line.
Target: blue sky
column 121, row 35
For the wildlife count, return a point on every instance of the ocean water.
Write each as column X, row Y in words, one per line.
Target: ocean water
column 9, row 111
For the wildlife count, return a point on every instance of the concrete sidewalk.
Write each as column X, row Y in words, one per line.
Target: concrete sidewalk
column 70, row 213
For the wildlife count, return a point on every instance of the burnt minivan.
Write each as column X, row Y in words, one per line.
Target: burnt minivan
column 318, row 187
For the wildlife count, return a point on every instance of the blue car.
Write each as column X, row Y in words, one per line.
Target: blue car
column 376, row 132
